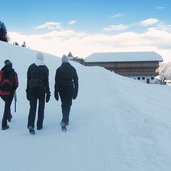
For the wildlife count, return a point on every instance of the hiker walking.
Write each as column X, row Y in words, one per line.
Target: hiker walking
column 66, row 86
column 8, row 85
column 37, row 91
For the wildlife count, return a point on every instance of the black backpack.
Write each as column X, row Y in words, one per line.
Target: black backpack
column 37, row 80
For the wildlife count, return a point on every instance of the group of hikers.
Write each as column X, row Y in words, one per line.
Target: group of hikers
column 38, row 91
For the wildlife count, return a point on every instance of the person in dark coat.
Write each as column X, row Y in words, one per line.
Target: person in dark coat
column 37, row 91
column 7, row 96
column 66, row 86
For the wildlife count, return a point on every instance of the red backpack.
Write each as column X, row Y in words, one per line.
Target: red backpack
column 6, row 83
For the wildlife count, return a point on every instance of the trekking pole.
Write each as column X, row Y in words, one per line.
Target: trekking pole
column 15, row 101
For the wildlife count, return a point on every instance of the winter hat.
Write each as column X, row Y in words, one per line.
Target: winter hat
column 65, row 59
column 39, row 59
column 39, row 56
column 8, row 63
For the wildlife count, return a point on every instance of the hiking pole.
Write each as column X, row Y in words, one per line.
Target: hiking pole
column 15, row 101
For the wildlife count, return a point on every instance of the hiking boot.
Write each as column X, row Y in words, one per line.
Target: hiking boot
column 5, row 127
column 31, row 130
column 63, row 126
column 9, row 118
column 62, row 123
column 39, row 127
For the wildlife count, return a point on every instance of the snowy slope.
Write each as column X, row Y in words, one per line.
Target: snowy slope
column 116, row 124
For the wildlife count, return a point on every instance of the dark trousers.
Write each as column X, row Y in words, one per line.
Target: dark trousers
column 36, row 98
column 66, row 100
column 7, row 109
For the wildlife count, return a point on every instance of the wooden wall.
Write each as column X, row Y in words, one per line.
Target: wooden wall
column 128, row 68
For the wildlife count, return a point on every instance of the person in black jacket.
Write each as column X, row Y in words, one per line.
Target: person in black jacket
column 7, row 93
column 66, row 86
column 37, row 90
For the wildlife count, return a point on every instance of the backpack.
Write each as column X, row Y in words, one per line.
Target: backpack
column 6, row 83
column 36, row 82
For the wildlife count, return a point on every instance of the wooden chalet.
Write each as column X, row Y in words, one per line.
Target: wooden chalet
column 138, row 65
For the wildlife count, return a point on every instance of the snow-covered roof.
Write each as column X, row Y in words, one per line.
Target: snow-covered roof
column 123, row 57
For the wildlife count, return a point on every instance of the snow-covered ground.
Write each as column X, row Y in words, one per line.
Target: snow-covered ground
column 116, row 123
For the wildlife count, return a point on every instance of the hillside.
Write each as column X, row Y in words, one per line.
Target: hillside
column 116, row 123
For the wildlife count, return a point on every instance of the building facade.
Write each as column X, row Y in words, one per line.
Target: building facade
column 138, row 65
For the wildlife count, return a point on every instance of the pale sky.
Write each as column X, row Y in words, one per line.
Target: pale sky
column 84, row 27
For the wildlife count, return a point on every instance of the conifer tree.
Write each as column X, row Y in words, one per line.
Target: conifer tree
column 16, row 43
column 24, row 44
column 3, row 32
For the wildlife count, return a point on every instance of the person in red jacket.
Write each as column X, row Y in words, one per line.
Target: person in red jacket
column 8, row 85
